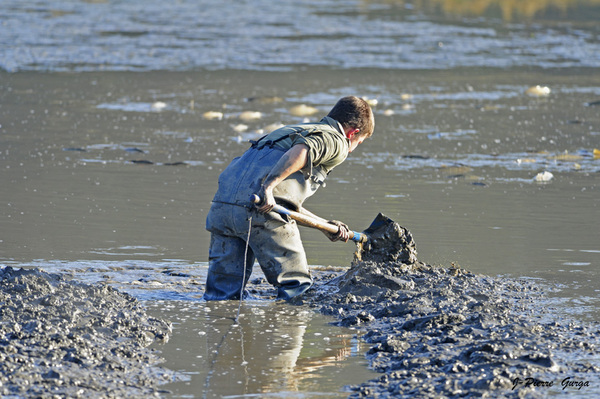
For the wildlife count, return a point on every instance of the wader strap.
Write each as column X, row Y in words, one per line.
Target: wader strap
column 307, row 173
column 271, row 143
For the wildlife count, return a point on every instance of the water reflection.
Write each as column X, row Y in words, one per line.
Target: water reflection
column 582, row 10
column 274, row 349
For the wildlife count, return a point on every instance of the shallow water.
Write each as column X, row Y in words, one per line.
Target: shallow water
column 458, row 141
column 72, row 193
column 273, row 348
column 223, row 348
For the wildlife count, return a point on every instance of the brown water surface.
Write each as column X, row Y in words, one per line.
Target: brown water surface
column 457, row 166
column 273, row 349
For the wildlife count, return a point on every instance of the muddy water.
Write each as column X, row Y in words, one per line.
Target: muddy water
column 457, row 168
column 108, row 163
column 272, row 348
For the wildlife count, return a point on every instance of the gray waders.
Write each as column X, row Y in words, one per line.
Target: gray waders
column 274, row 242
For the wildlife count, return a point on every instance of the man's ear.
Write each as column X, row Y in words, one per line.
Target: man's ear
column 351, row 133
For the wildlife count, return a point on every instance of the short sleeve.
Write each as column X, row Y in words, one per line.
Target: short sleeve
column 326, row 149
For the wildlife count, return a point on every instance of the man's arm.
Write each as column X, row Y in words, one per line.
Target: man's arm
column 292, row 161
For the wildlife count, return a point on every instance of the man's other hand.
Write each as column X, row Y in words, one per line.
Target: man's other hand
column 343, row 233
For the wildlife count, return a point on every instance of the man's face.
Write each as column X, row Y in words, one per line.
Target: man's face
column 355, row 141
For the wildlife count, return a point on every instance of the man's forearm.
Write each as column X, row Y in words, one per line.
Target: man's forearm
column 292, row 161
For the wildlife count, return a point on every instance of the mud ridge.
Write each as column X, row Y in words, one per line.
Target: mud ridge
column 60, row 338
column 445, row 332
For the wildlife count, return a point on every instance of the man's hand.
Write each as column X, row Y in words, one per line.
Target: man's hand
column 292, row 161
column 268, row 201
column 343, row 233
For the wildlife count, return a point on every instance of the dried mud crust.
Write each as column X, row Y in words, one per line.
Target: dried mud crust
column 446, row 332
column 59, row 338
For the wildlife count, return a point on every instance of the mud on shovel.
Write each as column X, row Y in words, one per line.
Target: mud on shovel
column 378, row 223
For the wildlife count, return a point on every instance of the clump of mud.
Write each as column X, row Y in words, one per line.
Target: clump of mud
column 59, row 338
column 445, row 332
column 387, row 242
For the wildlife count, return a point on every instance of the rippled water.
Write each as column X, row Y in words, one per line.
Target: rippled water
column 105, row 35
column 109, row 160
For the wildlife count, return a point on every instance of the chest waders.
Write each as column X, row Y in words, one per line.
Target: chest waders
column 274, row 242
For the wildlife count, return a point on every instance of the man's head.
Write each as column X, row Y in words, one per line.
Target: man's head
column 355, row 114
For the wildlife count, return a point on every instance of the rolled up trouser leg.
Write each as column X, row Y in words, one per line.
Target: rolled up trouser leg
column 226, row 268
column 279, row 251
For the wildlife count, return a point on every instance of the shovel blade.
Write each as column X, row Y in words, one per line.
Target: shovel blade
column 387, row 241
column 380, row 222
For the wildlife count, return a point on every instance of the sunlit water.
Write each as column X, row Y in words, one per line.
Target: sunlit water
column 272, row 349
column 109, row 160
column 46, row 35
column 228, row 348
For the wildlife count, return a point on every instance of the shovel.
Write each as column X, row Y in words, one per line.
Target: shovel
column 383, row 241
column 308, row 221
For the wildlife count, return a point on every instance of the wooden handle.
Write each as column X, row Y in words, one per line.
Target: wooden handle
column 309, row 221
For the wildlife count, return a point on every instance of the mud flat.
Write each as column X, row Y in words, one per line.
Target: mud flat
column 60, row 338
column 445, row 332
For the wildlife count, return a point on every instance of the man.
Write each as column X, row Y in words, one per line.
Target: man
column 286, row 166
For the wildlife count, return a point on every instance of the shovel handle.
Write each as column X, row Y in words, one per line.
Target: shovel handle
column 309, row 221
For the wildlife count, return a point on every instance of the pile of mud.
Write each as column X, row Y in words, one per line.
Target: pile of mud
column 446, row 332
column 387, row 242
column 59, row 338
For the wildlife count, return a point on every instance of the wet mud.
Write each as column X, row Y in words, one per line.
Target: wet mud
column 61, row 338
column 446, row 332
column 387, row 242
column 433, row 331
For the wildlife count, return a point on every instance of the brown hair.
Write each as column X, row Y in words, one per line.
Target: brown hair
column 354, row 112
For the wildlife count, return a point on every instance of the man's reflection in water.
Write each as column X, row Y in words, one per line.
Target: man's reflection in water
column 263, row 352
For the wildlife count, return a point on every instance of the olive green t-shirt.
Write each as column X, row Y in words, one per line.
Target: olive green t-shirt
column 326, row 142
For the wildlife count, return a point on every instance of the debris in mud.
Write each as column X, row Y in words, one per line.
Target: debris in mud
column 134, row 149
column 59, row 338
column 211, row 115
column 447, row 332
column 538, row 91
column 142, row 162
column 303, row 110
column 543, row 177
